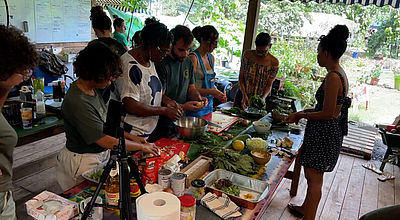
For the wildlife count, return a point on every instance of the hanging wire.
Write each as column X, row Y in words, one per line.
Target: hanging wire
column 8, row 13
column 187, row 14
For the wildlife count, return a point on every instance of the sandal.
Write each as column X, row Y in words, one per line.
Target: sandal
column 372, row 166
column 294, row 210
column 386, row 176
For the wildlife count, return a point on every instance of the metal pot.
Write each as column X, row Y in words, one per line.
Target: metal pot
column 191, row 127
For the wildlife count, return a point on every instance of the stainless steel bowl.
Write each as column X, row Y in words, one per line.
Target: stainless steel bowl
column 191, row 127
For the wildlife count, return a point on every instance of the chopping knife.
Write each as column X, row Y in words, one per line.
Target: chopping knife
column 213, row 124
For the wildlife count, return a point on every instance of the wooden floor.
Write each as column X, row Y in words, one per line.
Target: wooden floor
column 348, row 192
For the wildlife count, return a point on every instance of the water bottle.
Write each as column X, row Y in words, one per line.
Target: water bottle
column 40, row 106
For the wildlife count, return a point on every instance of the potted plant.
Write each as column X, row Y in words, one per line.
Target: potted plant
column 396, row 72
column 376, row 73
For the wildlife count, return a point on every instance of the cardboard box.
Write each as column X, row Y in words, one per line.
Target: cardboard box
column 48, row 205
column 196, row 169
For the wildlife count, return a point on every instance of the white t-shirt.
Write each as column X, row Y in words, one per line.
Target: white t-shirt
column 143, row 85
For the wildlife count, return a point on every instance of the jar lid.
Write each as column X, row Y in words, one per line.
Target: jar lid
column 187, row 201
column 198, row 183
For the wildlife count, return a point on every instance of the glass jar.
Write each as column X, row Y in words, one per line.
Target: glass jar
column 188, row 207
column 197, row 189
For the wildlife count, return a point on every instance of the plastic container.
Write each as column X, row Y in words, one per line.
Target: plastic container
column 397, row 82
column 197, row 189
column 188, row 207
column 355, row 54
column 40, row 106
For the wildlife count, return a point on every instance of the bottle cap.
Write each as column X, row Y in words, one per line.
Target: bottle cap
column 187, row 200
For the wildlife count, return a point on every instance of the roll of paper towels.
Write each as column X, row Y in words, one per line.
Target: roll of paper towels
column 158, row 206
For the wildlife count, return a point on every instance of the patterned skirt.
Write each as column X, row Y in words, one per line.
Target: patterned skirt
column 321, row 146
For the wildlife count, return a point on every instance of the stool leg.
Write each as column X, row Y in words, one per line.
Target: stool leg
column 388, row 152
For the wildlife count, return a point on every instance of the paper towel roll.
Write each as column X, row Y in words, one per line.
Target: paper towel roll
column 158, row 206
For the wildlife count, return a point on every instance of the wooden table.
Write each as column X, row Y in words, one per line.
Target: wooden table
column 47, row 127
column 275, row 171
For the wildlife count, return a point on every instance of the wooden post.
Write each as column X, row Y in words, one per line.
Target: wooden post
column 251, row 24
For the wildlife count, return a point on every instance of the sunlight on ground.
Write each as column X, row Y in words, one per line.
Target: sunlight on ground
column 384, row 100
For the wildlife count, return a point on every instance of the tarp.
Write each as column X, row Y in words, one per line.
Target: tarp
column 380, row 3
column 136, row 25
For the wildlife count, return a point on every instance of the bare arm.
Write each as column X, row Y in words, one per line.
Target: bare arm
column 193, row 93
column 134, row 107
column 109, row 143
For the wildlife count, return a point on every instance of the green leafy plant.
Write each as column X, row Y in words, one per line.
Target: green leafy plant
column 376, row 72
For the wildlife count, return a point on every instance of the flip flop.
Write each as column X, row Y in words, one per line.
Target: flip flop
column 372, row 166
column 386, row 176
column 293, row 209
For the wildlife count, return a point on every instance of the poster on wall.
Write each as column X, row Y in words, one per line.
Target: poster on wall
column 62, row 21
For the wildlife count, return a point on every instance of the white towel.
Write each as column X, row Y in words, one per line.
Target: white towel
column 222, row 206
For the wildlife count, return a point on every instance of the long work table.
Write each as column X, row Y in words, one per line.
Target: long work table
column 275, row 170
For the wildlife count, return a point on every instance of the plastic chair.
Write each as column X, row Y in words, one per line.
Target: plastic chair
column 392, row 141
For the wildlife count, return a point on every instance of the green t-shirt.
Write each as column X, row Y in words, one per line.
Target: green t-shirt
column 84, row 116
column 175, row 77
column 120, row 38
column 8, row 140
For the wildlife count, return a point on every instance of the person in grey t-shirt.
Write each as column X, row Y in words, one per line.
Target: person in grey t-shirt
column 17, row 59
column 84, row 114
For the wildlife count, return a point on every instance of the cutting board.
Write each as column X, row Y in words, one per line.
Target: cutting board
column 223, row 120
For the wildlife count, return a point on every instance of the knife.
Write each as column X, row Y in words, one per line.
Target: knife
column 213, row 124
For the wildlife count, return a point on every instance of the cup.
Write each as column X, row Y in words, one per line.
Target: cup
column 96, row 213
column 26, row 115
column 38, row 84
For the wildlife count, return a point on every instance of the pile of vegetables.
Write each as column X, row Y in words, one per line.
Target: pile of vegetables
column 256, row 144
column 96, row 176
column 235, row 162
column 227, row 186
column 257, row 102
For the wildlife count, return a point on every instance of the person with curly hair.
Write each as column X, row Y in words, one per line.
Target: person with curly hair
column 17, row 59
column 140, row 88
column 326, row 123
column 85, row 112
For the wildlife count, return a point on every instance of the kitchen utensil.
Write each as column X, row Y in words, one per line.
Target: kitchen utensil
column 261, row 157
column 261, row 127
column 191, row 127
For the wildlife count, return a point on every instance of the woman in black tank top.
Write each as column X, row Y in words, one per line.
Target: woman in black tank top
column 326, row 123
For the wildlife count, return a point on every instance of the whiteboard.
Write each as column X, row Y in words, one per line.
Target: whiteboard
column 51, row 21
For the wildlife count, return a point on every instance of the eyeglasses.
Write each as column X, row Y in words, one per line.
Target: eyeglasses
column 321, row 37
column 163, row 52
column 26, row 74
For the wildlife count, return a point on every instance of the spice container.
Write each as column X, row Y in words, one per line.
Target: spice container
column 188, row 207
column 197, row 189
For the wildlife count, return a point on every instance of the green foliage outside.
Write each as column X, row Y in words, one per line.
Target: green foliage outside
column 297, row 56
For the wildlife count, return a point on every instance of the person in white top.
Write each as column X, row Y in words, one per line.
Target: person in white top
column 139, row 87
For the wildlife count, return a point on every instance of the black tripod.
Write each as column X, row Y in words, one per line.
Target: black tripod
column 119, row 154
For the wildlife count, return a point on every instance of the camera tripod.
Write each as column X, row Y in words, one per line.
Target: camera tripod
column 118, row 154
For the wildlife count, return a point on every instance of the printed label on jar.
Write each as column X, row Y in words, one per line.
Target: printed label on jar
column 188, row 215
column 112, row 198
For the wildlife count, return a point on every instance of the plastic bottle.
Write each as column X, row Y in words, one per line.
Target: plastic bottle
column 40, row 106
column 112, row 188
